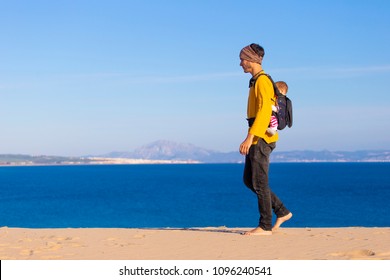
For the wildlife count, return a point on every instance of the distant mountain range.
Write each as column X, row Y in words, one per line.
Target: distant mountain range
column 167, row 150
column 170, row 152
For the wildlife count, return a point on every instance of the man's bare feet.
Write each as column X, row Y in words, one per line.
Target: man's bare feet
column 258, row 231
column 281, row 220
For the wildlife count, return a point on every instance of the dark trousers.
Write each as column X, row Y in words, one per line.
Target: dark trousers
column 256, row 179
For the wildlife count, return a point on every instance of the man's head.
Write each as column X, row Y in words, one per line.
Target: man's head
column 250, row 55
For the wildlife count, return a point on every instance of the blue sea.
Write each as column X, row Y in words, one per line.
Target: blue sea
column 191, row 195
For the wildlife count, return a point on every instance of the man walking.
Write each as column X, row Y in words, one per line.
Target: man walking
column 258, row 145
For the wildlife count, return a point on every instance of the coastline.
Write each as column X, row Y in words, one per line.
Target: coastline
column 209, row 243
column 112, row 161
column 98, row 161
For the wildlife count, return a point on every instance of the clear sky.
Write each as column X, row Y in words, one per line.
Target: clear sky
column 91, row 77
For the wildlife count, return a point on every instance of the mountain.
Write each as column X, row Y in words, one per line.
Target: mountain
column 167, row 150
column 170, row 150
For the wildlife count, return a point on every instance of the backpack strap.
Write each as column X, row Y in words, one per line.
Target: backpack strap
column 253, row 80
column 276, row 90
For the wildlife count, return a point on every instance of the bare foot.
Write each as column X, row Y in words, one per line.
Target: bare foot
column 281, row 220
column 258, row 231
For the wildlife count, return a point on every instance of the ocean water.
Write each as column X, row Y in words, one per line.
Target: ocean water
column 191, row 195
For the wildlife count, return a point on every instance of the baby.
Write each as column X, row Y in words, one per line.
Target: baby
column 273, row 125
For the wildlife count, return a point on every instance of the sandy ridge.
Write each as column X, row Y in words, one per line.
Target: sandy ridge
column 194, row 244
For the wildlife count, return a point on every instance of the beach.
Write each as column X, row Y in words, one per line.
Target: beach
column 209, row 243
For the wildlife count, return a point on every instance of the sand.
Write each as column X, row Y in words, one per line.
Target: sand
column 351, row 243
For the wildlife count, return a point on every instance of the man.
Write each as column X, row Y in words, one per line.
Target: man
column 258, row 145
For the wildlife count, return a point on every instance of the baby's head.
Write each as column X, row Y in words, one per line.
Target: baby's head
column 282, row 87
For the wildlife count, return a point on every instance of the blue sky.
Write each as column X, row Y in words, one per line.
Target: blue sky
column 91, row 77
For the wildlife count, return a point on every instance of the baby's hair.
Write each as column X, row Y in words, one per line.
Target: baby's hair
column 282, row 86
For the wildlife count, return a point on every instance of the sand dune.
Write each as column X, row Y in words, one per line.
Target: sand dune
column 194, row 244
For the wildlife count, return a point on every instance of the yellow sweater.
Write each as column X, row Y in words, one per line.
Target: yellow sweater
column 260, row 101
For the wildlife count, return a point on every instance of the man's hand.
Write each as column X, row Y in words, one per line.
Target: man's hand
column 245, row 146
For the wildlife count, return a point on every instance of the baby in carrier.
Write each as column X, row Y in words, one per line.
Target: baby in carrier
column 273, row 125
